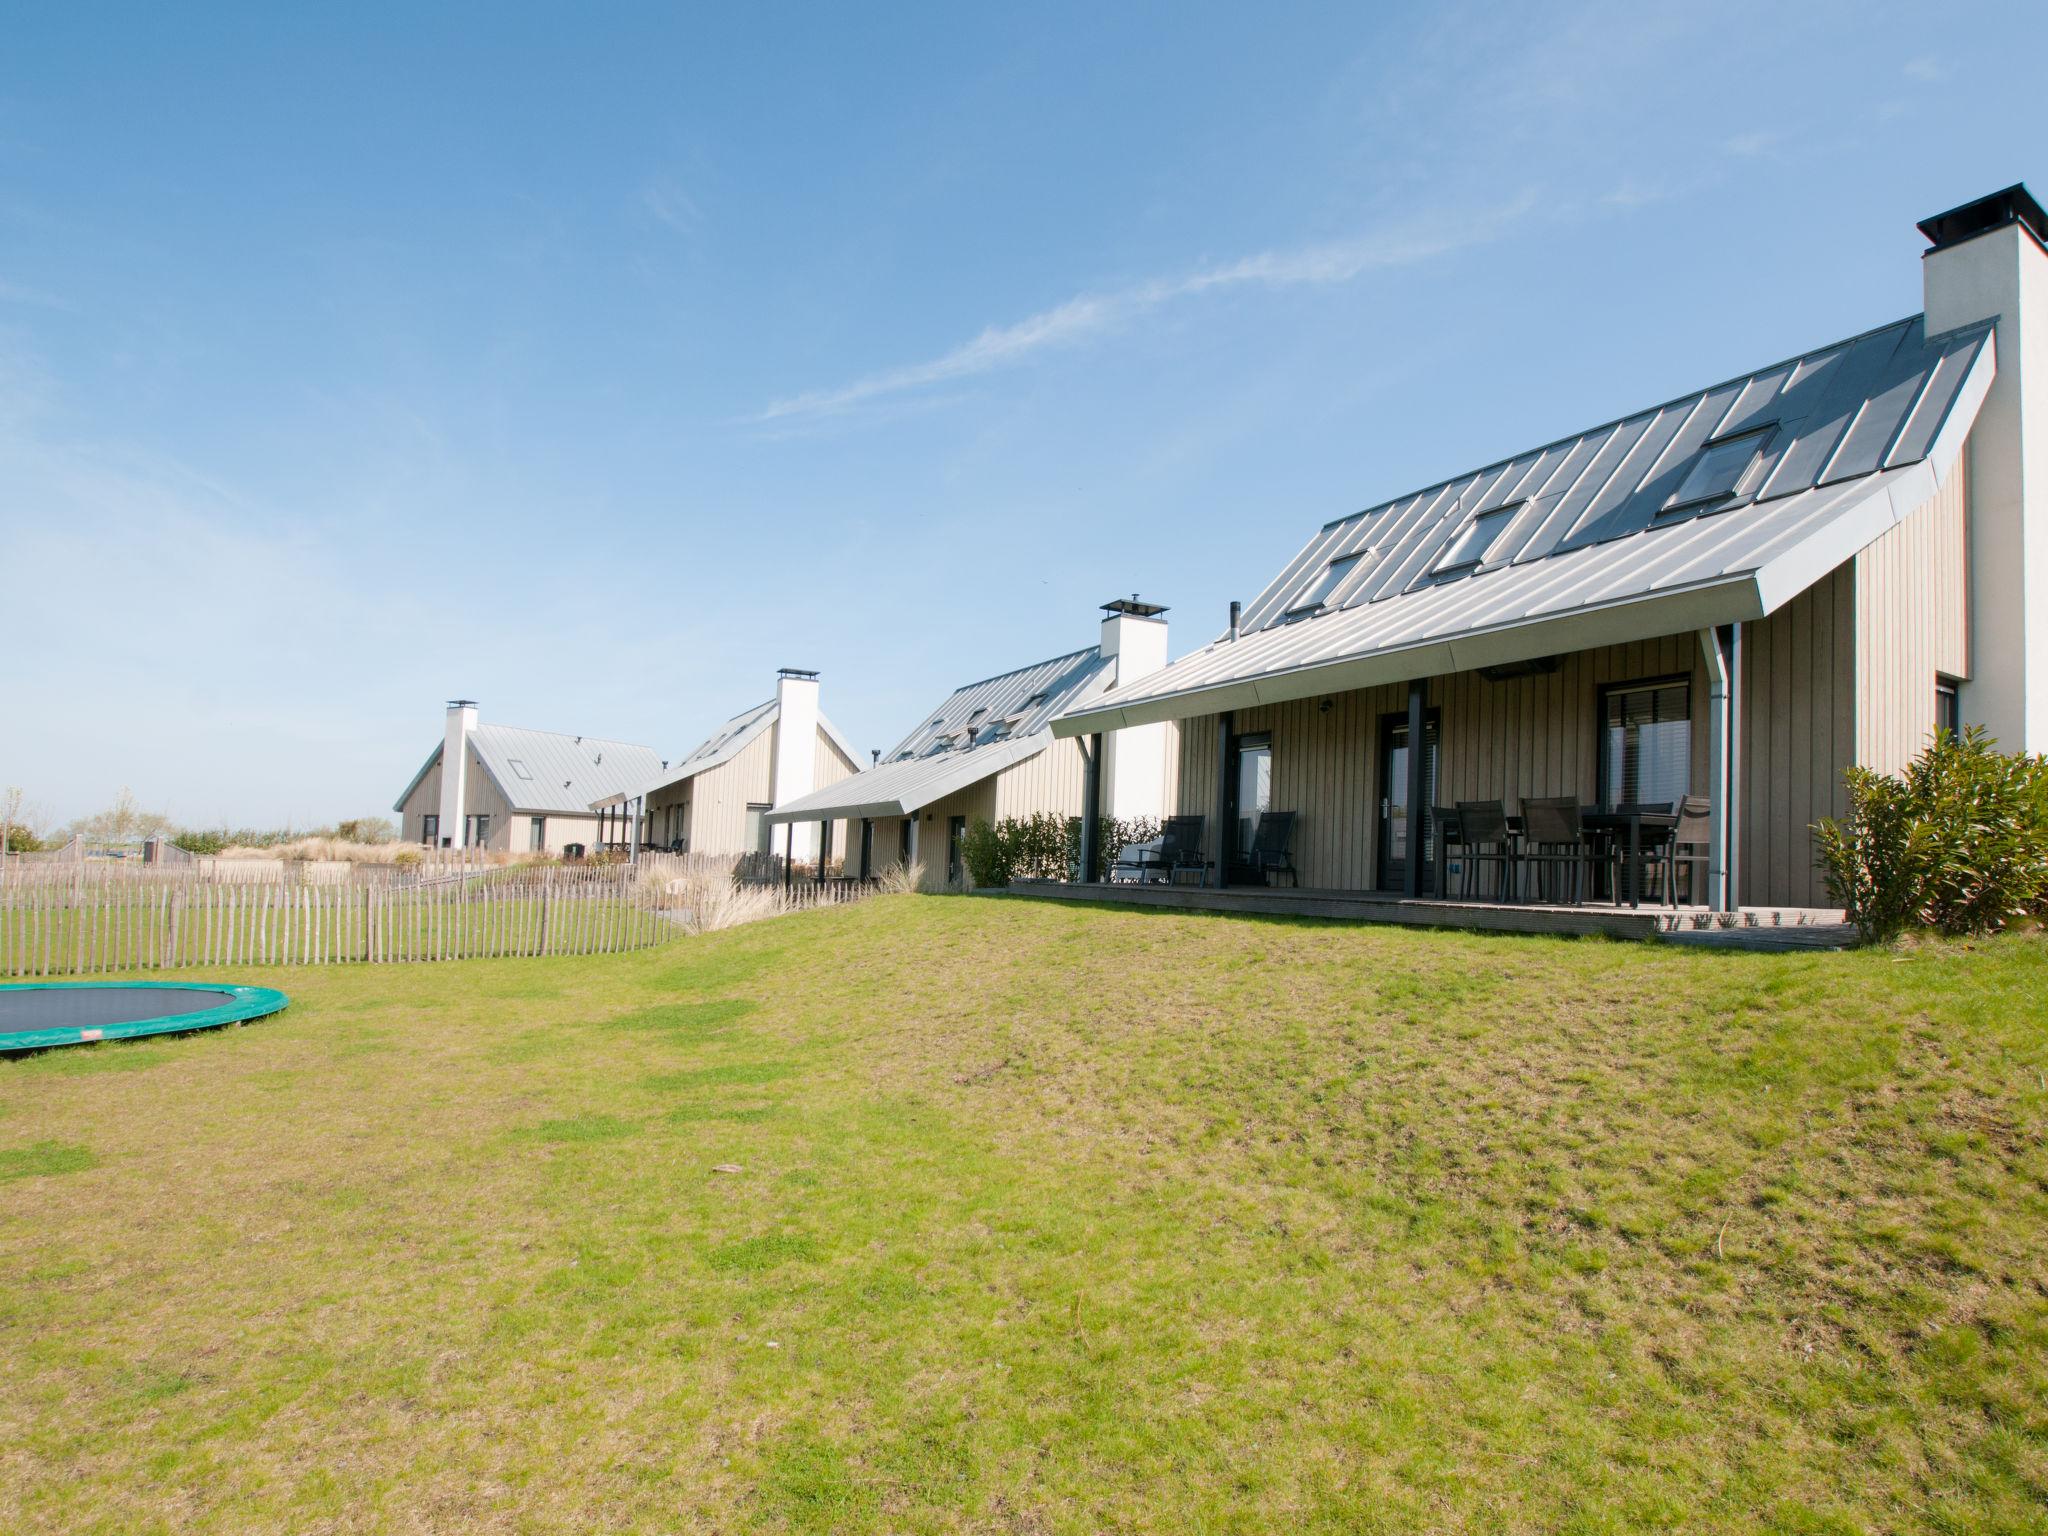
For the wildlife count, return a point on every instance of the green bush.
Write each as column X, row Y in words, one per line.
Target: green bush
column 1112, row 836
column 21, row 840
column 1958, row 843
column 200, row 842
column 986, row 853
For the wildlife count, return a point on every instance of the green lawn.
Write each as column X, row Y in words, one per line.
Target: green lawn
column 1048, row 1219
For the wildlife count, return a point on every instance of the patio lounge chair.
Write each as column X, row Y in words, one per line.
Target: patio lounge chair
column 1271, row 851
column 1131, row 864
column 1180, row 848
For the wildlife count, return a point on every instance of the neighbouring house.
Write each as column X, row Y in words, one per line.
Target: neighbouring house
column 715, row 800
column 1733, row 595
column 987, row 752
column 514, row 790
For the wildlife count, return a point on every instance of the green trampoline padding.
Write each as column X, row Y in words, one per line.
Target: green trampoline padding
column 38, row 1014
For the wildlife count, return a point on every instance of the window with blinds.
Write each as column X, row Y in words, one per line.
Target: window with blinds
column 1646, row 743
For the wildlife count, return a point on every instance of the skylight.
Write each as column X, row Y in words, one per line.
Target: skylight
column 1471, row 547
column 1326, row 581
column 519, row 768
column 1721, row 469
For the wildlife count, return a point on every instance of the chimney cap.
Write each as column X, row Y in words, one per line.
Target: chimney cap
column 1134, row 608
column 462, row 703
column 802, row 672
column 2014, row 205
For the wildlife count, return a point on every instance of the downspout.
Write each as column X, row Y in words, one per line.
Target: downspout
column 1417, row 788
column 1720, row 779
column 1091, row 808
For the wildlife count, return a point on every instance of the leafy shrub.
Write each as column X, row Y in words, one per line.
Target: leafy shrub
column 21, row 840
column 986, row 852
column 1112, row 836
column 193, row 841
column 1958, row 843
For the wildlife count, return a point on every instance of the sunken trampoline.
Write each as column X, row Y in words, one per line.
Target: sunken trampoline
column 35, row 1015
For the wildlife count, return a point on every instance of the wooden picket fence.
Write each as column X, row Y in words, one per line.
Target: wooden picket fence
column 95, row 923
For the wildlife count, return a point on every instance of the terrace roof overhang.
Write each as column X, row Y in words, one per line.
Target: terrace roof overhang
column 1526, row 613
column 903, row 789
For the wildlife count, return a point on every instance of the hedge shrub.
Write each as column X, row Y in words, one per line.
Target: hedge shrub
column 1957, row 843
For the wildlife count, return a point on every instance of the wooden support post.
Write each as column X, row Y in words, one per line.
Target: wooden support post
column 1226, row 834
column 1418, row 789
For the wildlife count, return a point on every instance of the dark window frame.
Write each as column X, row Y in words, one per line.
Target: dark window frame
column 1679, row 503
column 1498, row 518
column 1325, row 584
column 536, row 834
column 1606, row 796
column 430, row 828
column 1948, row 705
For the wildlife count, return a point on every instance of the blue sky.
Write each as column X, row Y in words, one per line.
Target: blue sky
column 593, row 362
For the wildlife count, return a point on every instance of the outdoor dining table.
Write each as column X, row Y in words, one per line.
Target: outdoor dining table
column 1631, row 825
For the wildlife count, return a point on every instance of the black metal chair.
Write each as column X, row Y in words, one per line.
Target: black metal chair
column 1450, row 844
column 1272, row 844
column 1487, row 840
column 1180, row 847
column 1555, row 842
column 1687, row 844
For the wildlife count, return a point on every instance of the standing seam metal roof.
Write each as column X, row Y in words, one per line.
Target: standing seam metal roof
column 546, row 771
column 980, row 729
column 1852, row 437
column 723, row 746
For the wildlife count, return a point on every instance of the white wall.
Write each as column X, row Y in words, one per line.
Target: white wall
column 2004, row 273
column 461, row 721
column 1135, row 759
column 796, row 754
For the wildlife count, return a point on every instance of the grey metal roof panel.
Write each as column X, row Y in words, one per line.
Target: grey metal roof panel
column 722, row 746
column 1028, row 698
column 903, row 788
column 550, row 772
column 977, row 730
column 1893, row 399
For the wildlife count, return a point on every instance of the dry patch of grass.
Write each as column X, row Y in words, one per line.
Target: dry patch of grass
column 936, row 1214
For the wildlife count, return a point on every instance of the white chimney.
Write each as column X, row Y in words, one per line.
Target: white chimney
column 1134, row 759
column 796, row 749
column 1989, row 259
column 455, row 771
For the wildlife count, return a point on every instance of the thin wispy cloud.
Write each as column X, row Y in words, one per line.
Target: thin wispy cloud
column 667, row 203
column 1090, row 315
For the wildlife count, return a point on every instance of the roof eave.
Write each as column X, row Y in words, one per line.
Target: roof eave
column 921, row 790
column 1734, row 600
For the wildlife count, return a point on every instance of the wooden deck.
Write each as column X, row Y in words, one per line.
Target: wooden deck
column 1794, row 927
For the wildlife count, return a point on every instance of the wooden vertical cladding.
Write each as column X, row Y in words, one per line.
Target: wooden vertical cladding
column 1053, row 781
column 1540, row 735
column 714, row 803
column 1798, row 738
column 1912, row 624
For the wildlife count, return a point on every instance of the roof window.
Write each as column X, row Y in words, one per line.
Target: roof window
column 519, row 767
column 1722, row 469
column 1471, row 547
column 1326, row 581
